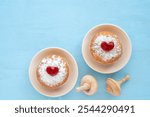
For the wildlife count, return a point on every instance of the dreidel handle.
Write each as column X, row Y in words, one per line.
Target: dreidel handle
column 123, row 80
column 84, row 87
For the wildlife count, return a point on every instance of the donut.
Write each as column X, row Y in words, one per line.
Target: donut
column 105, row 47
column 52, row 71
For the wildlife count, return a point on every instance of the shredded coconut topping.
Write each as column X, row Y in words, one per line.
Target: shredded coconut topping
column 56, row 61
column 104, row 54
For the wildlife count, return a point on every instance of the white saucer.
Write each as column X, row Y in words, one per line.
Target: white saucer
column 73, row 72
column 126, row 45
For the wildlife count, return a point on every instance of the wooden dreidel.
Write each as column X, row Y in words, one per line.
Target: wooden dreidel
column 114, row 87
column 88, row 85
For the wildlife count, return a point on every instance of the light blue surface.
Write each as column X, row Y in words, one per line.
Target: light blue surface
column 26, row 26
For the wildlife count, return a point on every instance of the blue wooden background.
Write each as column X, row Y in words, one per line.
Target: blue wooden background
column 26, row 26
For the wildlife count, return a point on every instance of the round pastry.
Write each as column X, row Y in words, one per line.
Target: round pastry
column 53, row 71
column 105, row 47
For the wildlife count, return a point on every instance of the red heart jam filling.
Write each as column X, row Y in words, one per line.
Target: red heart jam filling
column 107, row 46
column 52, row 70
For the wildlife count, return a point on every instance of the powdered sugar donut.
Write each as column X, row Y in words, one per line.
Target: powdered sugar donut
column 53, row 71
column 105, row 47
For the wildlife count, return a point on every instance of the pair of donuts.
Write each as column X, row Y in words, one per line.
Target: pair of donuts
column 53, row 71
